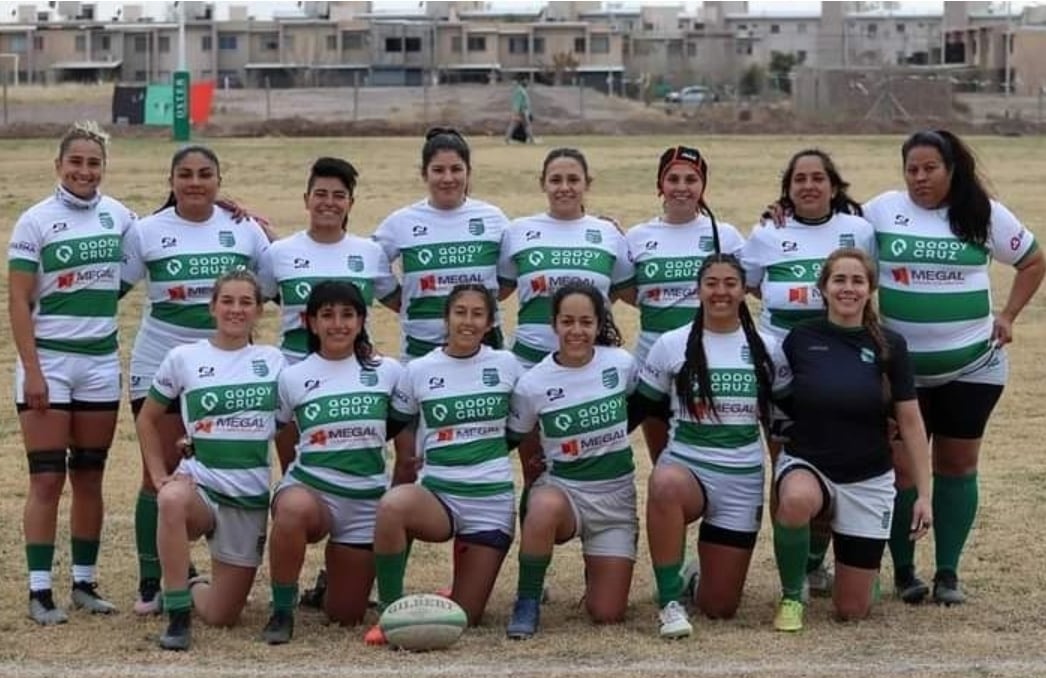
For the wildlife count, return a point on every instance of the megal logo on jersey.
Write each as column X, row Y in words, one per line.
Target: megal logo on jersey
column 463, row 433
column 433, row 282
column 255, row 424
column 72, row 278
column 912, row 276
column 189, row 292
column 804, row 295
column 578, row 446
column 324, row 436
column 541, row 284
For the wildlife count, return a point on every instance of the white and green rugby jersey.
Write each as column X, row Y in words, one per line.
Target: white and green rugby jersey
column 439, row 249
column 727, row 441
column 292, row 265
column 340, row 409
column 540, row 254
column 667, row 257
column 75, row 255
column 784, row 262
column 934, row 289
column 582, row 414
column 229, row 402
column 181, row 260
column 462, row 405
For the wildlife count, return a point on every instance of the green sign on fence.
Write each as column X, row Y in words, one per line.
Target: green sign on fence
column 180, row 126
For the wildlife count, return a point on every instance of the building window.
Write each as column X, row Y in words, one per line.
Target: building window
column 477, row 43
column 16, row 43
column 141, row 44
column 332, row 43
column 900, row 28
column 270, row 42
column 742, row 27
column 38, row 43
column 800, row 56
column 775, row 28
column 455, row 44
column 600, row 44
column 288, row 42
column 625, row 47
column 206, row 74
column 106, row 43
column 80, row 43
column 164, row 76
column 674, row 48
column 800, row 28
column 683, row 24
column 412, row 44
column 227, row 42
column 139, row 76
column 873, row 30
column 206, row 43
column 393, row 45
column 648, row 27
column 518, row 44
column 165, row 44
column 539, row 45
column 579, row 45
column 691, row 49
column 351, row 40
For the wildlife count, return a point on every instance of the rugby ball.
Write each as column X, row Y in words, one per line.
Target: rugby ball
column 422, row 622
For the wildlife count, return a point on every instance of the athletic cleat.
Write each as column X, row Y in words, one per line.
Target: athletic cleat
column 820, row 581
column 42, row 609
column 526, row 615
column 691, row 574
column 908, row 586
column 178, row 636
column 280, row 628
column 85, row 597
column 674, row 622
column 149, row 599
column 789, row 617
column 314, row 597
column 946, row 589
column 375, row 636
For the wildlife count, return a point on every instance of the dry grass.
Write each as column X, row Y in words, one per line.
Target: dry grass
column 999, row 633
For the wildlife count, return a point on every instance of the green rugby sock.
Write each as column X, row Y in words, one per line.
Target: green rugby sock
column 284, row 597
column 954, row 509
column 902, row 548
column 389, row 569
column 146, row 515
column 669, row 583
column 39, row 558
column 791, row 548
column 177, row 601
column 531, row 576
column 819, row 542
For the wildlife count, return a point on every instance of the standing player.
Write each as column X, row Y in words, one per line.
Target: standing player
column 339, row 397
column 446, row 240
column 543, row 252
column 577, row 399
column 936, row 241
column 179, row 250
column 782, row 264
column 719, row 376
column 227, row 389
column 324, row 251
column 849, row 377
column 460, row 397
column 63, row 285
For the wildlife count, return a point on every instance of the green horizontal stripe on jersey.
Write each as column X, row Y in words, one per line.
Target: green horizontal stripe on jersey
column 365, row 462
column 589, row 416
column 231, row 454
column 930, row 363
column 81, row 304
column 255, row 502
column 650, row 392
column 100, row 346
column 944, row 307
column 298, row 473
column 718, row 436
column 426, row 308
column 536, row 311
column 189, row 267
column 23, row 265
column 795, row 271
column 528, row 353
column 463, row 489
column 718, row 468
column 668, row 270
column 467, row 454
column 469, row 408
column 788, row 319
column 664, row 319
column 339, row 410
column 66, row 254
column 418, row 347
column 295, row 341
column 192, row 316
column 604, row 467
column 296, row 291
column 947, row 251
column 450, row 255
column 564, row 260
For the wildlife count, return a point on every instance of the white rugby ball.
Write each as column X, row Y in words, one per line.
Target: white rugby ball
column 423, row 621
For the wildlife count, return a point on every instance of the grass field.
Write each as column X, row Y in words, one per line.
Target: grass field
column 999, row 633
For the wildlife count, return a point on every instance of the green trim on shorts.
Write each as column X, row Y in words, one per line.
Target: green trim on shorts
column 416, row 348
column 319, row 485
column 717, row 468
column 528, row 353
column 99, row 346
column 463, row 489
column 609, row 466
column 256, row 502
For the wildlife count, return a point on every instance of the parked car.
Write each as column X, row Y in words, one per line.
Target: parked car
column 694, row 95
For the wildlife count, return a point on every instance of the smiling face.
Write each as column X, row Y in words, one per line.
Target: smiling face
column 447, row 178
column 721, row 291
column 195, row 181
column 328, row 203
column 927, row 177
column 846, row 291
column 235, row 309
column 810, row 188
column 564, row 182
column 81, row 167
column 468, row 321
column 576, row 325
column 682, row 188
column 337, row 326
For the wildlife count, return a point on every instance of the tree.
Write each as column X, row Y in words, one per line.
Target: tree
column 563, row 63
column 753, row 80
column 780, row 68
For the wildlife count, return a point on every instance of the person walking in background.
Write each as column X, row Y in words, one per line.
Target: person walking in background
column 520, row 126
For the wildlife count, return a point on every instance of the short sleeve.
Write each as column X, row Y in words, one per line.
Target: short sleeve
column 385, row 236
column 261, row 245
column 1008, row 240
column 394, row 371
column 167, row 383
column 874, row 210
column 752, row 258
column 23, row 252
column 782, row 370
column 385, row 282
column 631, row 368
column 404, row 403
column 901, row 372
column 508, row 272
column 284, row 407
column 132, row 269
column 267, row 273
column 655, row 376
column 624, row 273
column 730, row 240
column 523, row 414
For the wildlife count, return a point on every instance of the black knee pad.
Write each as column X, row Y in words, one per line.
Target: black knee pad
column 862, row 552
column 711, row 534
column 46, row 461
column 495, row 539
column 87, row 458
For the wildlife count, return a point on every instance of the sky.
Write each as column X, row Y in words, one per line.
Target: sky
column 264, row 10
